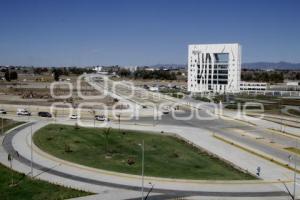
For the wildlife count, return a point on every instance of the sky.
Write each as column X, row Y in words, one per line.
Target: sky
column 140, row 32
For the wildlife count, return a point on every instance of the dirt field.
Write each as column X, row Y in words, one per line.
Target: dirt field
column 35, row 90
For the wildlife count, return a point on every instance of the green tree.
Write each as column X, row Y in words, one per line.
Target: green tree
column 10, row 75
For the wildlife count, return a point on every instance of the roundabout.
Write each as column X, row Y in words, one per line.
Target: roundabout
column 63, row 172
column 166, row 156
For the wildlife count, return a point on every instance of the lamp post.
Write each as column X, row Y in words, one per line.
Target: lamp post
column 94, row 115
column 119, row 117
column 64, row 108
column 152, row 186
column 281, row 117
column 153, row 115
column 143, row 150
column 31, row 152
column 295, row 173
column 10, row 158
column 2, row 126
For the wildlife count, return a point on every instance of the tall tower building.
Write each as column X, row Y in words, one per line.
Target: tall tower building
column 214, row 68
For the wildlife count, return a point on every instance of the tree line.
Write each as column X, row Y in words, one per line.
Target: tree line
column 262, row 76
column 146, row 74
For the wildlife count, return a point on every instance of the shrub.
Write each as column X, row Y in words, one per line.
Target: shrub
column 130, row 161
column 68, row 148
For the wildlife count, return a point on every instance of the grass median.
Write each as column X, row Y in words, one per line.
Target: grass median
column 109, row 149
column 8, row 124
column 26, row 188
column 14, row 185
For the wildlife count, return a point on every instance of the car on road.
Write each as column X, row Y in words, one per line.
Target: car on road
column 23, row 112
column 2, row 111
column 74, row 117
column 44, row 114
column 165, row 111
column 101, row 118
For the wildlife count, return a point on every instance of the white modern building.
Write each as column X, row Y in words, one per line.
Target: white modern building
column 214, row 68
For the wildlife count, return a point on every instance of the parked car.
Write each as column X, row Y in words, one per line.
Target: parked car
column 101, row 118
column 74, row 117
column 23, row 112
column 2, row 111
column 44, row 114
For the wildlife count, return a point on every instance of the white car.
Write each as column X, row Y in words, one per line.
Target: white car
column 74, row 117
column 23, row 112
column 101, row 118
column 2, row 111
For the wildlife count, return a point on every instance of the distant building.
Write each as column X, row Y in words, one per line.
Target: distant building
column 149, row 69
column 293, row 83
column 131, row 68
column 250, row 86
column 97, row 69
column 107, row 69
column 214, row 68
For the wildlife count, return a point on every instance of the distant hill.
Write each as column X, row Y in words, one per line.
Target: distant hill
column 271, row 65
column 253, row 65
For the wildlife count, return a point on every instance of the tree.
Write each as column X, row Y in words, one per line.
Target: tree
column 7, row 75
column 124, row 72
column 65, row 71
column 14, row 75
column 156, row 74
column 10, row 75
column 56, row 74
column 37, row 70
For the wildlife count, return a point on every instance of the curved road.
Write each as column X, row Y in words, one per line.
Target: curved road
column 8, row 144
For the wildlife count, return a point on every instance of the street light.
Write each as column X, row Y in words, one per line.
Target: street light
column 152, row 186
column 281, row 116
column 295, row 174
column 94, row 115
column 64, row 108
column 31, row 152
column 119, row 117
column 154, row 116
column 2, row 126
column 143, row 150
column 10, row 159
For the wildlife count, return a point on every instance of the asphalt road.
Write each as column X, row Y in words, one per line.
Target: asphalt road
column 224, row 128
column 8, row 146
column 262, row 140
